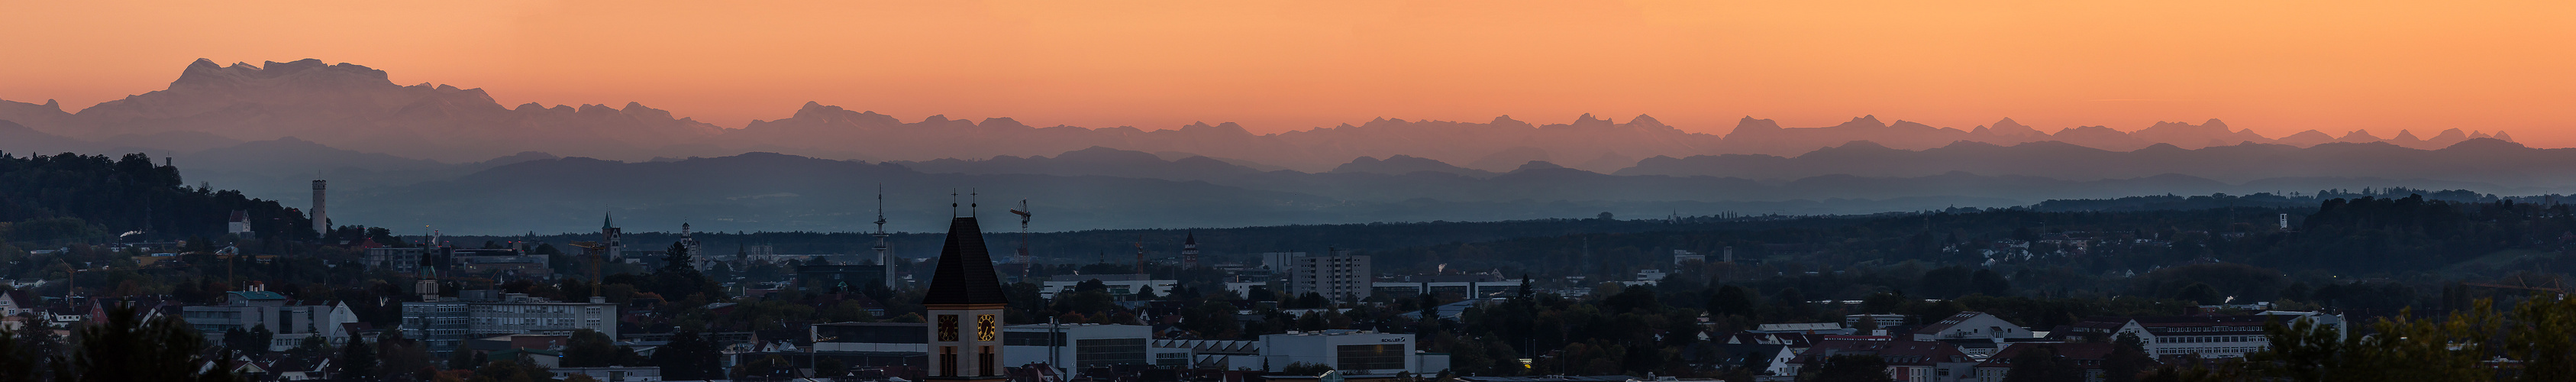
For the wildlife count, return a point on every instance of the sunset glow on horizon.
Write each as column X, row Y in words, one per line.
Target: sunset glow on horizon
column 2276, row 67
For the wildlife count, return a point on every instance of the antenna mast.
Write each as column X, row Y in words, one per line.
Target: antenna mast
column 885, row 258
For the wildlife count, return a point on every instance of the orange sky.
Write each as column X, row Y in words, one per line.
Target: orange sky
column 2278, row 67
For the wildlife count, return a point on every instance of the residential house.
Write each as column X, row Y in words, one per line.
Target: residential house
column 1764, row 359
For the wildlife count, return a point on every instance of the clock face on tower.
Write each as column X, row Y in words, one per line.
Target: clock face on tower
column 985, row 327
column 947, row 327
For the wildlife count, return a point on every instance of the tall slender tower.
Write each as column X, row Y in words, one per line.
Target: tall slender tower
column 885, row 254
column 965, row 302
column 321, row 220
column 690, row 243
column 1190, row 250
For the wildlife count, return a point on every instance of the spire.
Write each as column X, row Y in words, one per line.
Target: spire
column 607, row 221
column 965, row 275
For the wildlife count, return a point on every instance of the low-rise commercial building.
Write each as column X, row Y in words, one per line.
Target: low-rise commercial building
column 291, row 322
column 2201, row 336
column 442, row 324
column 1351, row 351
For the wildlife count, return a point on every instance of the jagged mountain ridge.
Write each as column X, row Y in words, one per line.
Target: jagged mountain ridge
column 358, row 108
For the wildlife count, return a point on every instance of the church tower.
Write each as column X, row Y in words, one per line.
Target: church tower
column 1190, row 251
column 609, row 235
column 965, row 303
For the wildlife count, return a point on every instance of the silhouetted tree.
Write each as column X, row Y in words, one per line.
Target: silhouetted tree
column 1853, row 368
column 357, row 362
column 129, row 348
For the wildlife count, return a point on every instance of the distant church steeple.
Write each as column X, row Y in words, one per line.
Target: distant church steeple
column 1189, row 250
column 611, row 250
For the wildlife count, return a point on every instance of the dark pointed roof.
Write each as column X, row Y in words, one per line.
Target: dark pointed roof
column 965, row 275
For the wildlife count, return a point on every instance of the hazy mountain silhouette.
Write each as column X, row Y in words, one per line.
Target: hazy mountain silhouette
column 450, row 157
column 358, row 108
column 2482, row 160
column 1101, row 161
column 355, row 107
column 762, row 191
column 765, row 191
column 1406, row 164
column 18, row 139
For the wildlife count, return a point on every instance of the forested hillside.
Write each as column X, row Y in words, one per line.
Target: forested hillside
column 69, row 198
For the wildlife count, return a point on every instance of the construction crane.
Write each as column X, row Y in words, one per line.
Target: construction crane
column 592, row 249
column 1023, row 256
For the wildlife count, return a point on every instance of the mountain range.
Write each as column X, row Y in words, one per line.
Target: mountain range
column 454, row 158
column 354, row 107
